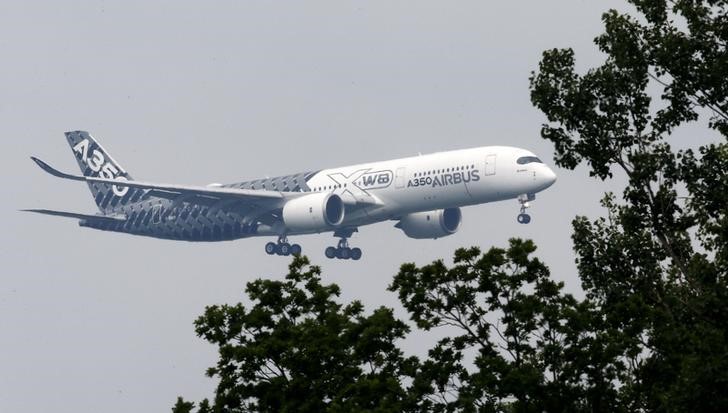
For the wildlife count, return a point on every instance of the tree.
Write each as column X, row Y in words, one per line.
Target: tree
column 503, row 306
column 656, row 266
column 182, row 406
column 297, row 349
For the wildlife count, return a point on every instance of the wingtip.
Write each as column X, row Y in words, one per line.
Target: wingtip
column 40, row 163
column 51, row 170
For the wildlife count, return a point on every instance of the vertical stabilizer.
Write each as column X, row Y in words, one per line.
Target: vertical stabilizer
column 95, row 161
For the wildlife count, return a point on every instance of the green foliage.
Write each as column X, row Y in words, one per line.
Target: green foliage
column 515, row 343
column 297, row 349
column 182, row 406
column 656, row 266
column 503, row 308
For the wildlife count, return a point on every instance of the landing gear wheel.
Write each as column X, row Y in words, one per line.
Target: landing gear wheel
column 270, row 248
column 524, row 218
column 284, row 249
column 296, row 250
column 344, row 253
column 342, row 250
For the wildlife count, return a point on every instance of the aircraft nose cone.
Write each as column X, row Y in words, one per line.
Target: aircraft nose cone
column 551, row 177
column 548, row 177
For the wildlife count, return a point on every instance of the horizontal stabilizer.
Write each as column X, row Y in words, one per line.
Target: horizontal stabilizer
column 109, row 218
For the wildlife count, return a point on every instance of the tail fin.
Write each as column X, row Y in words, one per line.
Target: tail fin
column 95, row 161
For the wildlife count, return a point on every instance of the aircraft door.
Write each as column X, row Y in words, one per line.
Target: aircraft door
column 399, row 177
column 490, row 165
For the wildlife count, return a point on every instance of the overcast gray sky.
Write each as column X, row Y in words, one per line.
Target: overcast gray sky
column 224, row 91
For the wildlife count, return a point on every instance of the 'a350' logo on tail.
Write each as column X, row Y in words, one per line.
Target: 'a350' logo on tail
column 100, row 165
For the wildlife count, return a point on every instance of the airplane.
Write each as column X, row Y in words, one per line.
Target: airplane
column 422, row 193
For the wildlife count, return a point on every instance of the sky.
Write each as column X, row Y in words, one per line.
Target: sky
column 202, row 92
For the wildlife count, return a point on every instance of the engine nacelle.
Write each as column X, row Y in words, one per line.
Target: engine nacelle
column 313, row 212
column 431, row 224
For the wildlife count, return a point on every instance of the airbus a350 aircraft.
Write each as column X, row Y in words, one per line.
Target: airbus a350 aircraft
column 422, row 193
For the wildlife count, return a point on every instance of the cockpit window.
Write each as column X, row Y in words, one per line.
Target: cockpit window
column 528, row 159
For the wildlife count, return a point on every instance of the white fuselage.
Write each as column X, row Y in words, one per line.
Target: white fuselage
column 394, row 188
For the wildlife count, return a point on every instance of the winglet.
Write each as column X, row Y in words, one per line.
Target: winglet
column 49, row 169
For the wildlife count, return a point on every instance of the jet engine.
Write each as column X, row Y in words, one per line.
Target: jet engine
column 431, row 224
column 313, row 212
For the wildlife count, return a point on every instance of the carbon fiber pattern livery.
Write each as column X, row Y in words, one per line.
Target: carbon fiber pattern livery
column 181, row 220
column 287, row 183
column 198, row 219
column 95, row 161
column 177, row 217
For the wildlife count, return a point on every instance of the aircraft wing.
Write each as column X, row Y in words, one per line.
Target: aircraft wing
column 220, row 193
column 88, row 217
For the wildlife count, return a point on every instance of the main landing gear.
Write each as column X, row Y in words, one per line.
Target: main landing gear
column 282, row 247
column 523, row 217
column 342, row 251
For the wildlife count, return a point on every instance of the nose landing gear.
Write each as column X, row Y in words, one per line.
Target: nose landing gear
column 342, row 250
column 523, row 217
column 282, row 247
